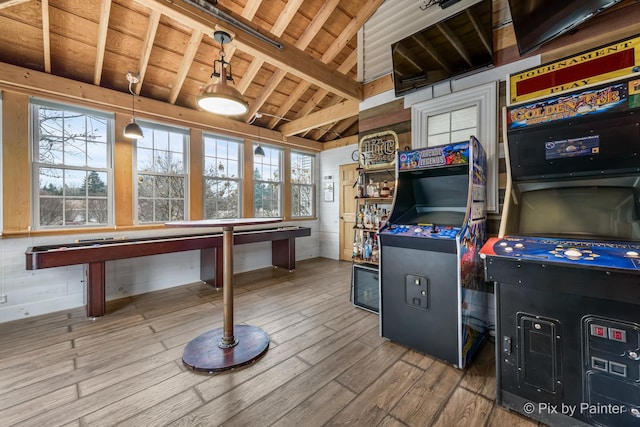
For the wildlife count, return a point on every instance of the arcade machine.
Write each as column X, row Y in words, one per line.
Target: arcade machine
column 566, row 263
column 433, row 296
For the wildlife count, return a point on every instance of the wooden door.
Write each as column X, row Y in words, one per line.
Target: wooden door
column 348, row 177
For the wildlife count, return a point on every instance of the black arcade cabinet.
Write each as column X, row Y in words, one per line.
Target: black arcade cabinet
column 433, row 297
column 566, row 263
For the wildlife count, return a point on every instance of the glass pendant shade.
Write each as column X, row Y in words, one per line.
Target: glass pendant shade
column 259, row 151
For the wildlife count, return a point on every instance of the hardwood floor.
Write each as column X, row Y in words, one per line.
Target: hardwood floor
column 326, row 364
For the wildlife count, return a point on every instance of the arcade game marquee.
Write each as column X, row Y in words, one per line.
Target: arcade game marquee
column 433, row 295
column 566, row 264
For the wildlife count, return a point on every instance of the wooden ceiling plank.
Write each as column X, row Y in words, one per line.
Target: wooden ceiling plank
column 317, row 23
column 303, row 41
column 291, row 100
column 105, row 11
column 349, row 62
column 349, row 32
column 46, row 36
column 187, row 60
column 143, row 64
column 340, row 111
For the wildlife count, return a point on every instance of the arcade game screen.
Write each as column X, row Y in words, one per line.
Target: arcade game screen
column 581, row 212
column 440, row 200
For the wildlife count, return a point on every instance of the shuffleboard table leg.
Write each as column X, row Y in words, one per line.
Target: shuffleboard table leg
column 95, row 276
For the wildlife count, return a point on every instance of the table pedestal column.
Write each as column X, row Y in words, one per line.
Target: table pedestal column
column 230, row 346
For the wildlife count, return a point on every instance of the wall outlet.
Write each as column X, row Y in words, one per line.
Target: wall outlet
column 3, row 298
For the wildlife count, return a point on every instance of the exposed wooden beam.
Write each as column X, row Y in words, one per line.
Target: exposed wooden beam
column 8, row 3
column 105, row 11
column 46, row 37
column 290, row 59
column 187, row 60
column 323, row 117
column 36, row 83
column 152, row 29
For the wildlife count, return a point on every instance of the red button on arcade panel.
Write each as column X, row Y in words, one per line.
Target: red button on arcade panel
column 598, row 331
column 617, row 335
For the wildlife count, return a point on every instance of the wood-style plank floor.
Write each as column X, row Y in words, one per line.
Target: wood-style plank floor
column 326, row 364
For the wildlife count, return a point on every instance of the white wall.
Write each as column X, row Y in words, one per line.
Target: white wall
column 35, row 292
column 329, row 212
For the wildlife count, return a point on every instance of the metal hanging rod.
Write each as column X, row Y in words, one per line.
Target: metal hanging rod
column 208, row 7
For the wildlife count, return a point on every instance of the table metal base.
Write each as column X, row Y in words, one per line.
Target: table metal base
column 204, row 353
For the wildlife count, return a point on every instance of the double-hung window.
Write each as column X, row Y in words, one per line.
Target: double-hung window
column 267, row 183
column 72, row 166
column 161, row 173
column 302, row 185
column 222, row 177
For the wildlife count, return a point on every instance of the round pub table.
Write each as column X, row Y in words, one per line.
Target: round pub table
column 232, row 345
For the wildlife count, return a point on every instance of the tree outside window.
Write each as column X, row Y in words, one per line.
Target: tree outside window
column 221, row 177
column 161, row 175
column 72, row 166
column 302, row 185
column 267, row 183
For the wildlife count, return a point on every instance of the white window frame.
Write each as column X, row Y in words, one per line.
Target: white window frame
column 213, row 139
column 311, row 186
column 279, row 184
column 148, row 127
column 485, row 98
column 36, row 165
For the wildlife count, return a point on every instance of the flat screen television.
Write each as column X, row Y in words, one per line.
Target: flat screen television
column 455, row 46
column 536, row 22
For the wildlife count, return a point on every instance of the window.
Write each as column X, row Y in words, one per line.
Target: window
column 267, row 183
column 452, row 126
column 455, row 117
column 161, row 174
column 302, row 185
column 72, row 166
column 221, row 177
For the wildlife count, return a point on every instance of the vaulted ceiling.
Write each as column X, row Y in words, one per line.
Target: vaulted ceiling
column 307, row 88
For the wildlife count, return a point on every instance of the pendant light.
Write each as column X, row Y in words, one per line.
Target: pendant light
column 259, row 151
column 133, row 130
column 219, row 98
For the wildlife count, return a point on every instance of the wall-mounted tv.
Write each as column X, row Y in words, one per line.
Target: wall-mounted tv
column 536, row 22
column 455, row 46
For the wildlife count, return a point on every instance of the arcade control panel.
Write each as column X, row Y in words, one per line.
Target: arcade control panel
column 602, row 254
column 422, row 230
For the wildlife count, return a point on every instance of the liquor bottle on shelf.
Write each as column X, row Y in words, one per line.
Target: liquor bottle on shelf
column 385, row 191
column 376, row 190
column 360, row 186
column 360, row 217
column 371, row 188
column 367, row 249
column 356, row 247
column 374, row 250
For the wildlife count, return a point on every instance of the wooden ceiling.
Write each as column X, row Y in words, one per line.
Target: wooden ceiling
column 307, row 89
